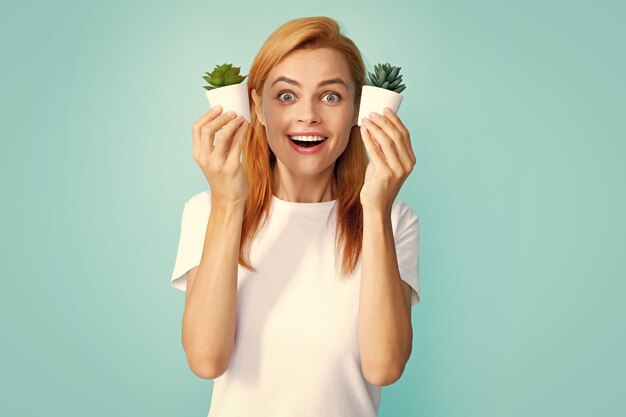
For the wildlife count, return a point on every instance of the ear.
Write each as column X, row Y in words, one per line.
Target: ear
column 355, row 118
column 256, row 99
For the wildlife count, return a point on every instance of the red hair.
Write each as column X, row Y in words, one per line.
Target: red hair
column 259, row 160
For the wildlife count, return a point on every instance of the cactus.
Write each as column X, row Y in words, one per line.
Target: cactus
column 222, row 76
column 387, row 77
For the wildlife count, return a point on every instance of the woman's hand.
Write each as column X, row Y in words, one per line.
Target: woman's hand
column 220, row 162
column 388, row 143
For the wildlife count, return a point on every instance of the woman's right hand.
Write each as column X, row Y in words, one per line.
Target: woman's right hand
column 220, row 162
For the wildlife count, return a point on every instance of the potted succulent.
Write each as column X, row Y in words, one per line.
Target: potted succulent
column 226, row 89
column 382, row 90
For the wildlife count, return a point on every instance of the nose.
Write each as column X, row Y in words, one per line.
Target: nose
column 308, row 113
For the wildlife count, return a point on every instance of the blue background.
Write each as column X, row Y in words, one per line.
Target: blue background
column 516, row 113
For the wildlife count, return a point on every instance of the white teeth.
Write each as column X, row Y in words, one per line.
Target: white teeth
column 308, row 138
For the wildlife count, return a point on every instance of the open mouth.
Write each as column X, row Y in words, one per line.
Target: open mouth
column 306, row 143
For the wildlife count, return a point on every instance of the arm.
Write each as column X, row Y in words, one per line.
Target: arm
column 210, row 316
column 384, row 324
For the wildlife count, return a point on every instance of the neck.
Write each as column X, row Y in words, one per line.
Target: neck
column 298, row 189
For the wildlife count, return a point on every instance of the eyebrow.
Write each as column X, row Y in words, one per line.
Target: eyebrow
column 321, row 84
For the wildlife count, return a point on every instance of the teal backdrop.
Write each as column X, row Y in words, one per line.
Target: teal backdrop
column 516, row 113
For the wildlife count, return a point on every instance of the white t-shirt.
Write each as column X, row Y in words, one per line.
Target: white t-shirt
column 296, row 347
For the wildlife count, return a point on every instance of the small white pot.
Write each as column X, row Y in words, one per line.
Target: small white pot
column 231, row 97
column 375, row 99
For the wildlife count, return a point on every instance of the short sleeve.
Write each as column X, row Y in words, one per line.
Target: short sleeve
column 406, row 236
column 195, row 217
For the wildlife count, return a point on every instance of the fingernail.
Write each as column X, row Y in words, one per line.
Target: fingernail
column 230, row 113
column 365, row 120
column 374, row 115
column 388, row 111
column 216, row 108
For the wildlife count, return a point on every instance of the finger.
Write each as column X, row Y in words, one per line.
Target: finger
column 234, row 155
column 386, row 144
column 208, row 131
column 373, row 142
column 206, row 117
column 375, row 154
column 392, row 131
column 224, row 138
column 406, row 135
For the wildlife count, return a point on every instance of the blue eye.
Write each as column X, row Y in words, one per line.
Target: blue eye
column 284, row 92
column 334, row 94
column 289, row 93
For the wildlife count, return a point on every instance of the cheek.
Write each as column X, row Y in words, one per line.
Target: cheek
column 344, row 139
column 276, row 119
column 274, row 130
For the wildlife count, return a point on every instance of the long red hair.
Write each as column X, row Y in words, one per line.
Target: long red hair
column 259, row 160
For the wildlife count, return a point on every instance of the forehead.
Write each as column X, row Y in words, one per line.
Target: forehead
column 310, row 66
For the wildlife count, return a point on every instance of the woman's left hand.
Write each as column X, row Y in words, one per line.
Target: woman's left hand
column 388, row 143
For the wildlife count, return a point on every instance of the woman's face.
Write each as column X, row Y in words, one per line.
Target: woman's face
column 297, row 96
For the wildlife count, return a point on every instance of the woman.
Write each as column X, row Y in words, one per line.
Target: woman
column 267, row 314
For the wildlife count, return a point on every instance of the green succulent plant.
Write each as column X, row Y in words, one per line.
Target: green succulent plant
column 222, row 76
column 386, row 76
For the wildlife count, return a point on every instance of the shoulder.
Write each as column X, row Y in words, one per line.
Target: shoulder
column 404, row 220
column 197, row 207
column 402, row 215
column 199, row 201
